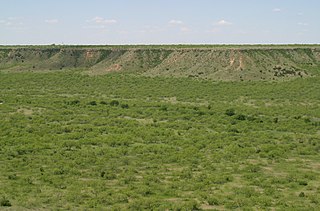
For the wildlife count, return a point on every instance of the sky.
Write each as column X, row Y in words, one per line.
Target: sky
column 159, row 22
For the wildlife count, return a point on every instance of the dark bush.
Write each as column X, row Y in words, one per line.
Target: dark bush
column 241, row 117
column 102, row 173
column 74, row 102
column 4, row 202
column 103, row 103
column 234, row 130
column 251, row 118
column 93, row 103
column 110, row 176
column 126, row 106
column 307, row 120
column 164, row 108
column 230, row 112
column 201, row 113
column 114, row 103
column 58, row 171
column 213, row 201
column 12, row 177
column 303, row 183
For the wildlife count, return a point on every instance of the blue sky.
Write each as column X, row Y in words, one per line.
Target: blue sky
column 159, row 21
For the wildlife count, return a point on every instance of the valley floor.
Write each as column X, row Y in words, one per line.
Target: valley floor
column 122, row 141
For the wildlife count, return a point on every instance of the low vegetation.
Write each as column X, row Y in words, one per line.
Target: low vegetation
column 124, row 141
column 220, row 63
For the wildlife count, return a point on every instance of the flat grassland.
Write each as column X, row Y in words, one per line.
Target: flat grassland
column 128, row 141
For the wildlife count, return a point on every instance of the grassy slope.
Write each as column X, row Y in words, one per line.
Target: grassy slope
column 265, row 62
column 63, row 147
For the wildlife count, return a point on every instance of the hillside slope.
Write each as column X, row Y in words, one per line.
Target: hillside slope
column 238, row 63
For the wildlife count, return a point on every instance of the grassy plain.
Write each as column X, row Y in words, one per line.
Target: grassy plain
column 123, row 141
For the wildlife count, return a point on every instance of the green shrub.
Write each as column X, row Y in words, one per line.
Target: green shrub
column 4, row 202
column 103, row 103
column 12, row 177
column 303, row 183
column 251, row 118
column 234, row 130
column 92, row 103
column 230, row 112
column 213, row 201
column 114, row 103
column 109, row 175
column 164, row 108
column 74, row 102
column 241, row 117
column 102, row 173
column 126, row 106
column 191, row 205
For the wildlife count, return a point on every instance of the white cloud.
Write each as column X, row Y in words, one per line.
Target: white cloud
column 99, row 23
column 151, row 29
column 123, row 32
column 303, row 24
column 185, row 29
column 12, row 22
column 52, row 21
column 215, row 30
column 276, row 10
column 175, row 22
column 179, row 25
column 103, row 21
column 13, row 18
column 223, row 23
column 94, row 27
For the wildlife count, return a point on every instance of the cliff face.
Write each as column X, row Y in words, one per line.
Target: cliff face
column 208, row 63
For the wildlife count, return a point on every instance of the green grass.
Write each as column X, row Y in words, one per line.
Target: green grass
column 220, row 63
column 122, row 141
